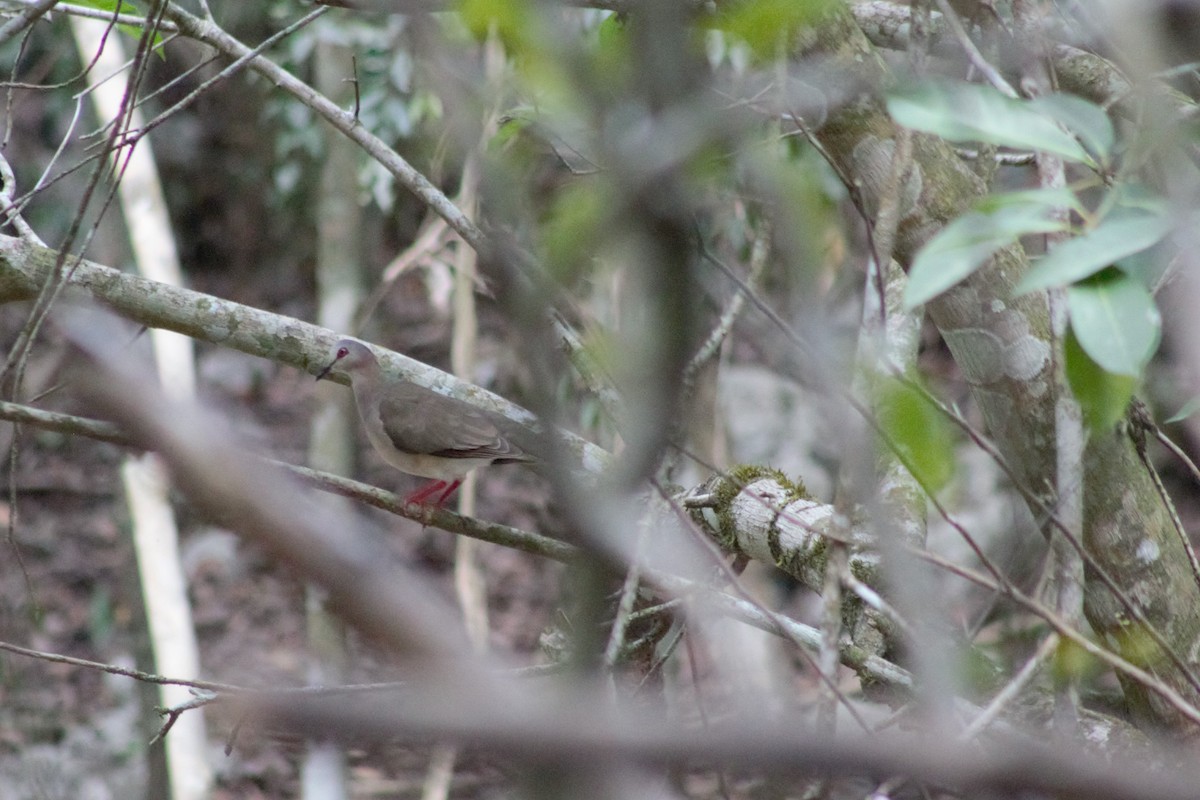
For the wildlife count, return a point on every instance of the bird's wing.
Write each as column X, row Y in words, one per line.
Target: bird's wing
column 421, row 421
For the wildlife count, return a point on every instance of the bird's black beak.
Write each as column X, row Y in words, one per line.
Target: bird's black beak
column 325, row 371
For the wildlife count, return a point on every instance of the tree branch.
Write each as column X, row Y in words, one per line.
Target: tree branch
column 23, row 266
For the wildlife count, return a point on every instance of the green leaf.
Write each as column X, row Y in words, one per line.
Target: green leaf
column 1086, row 120
column 573, row 227
column 1073, row 664
column 1137, row 195
column 611, row 54
column 963, row 112
column 968, row 242
column 765, row 25
column 1121, row 233
column 611, row 32
column 511, row 125
column 918, row 431
column 1048, row 199
column 1102, row 395
column 108, row 5
column 1115, row 320
column 511, row 18
column 1189, row 408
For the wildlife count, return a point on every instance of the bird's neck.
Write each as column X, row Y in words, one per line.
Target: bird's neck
column 369, row 375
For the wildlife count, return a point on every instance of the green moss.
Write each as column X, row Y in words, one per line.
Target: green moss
column 796, row 562
column 866, row 571
column 743, row 475
column 728, row 486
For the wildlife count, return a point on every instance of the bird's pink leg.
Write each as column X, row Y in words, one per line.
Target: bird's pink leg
column 422, row 495
column 449, row 491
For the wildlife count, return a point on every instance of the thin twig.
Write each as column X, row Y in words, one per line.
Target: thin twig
column 973, row 55
column 1012, row 688
column 27, row 16
column 357, row 88
column 229, row 71
column 12, row 215
column 1069, row 632
column 495, row 533
column 759, row 253
column 342, row 120
column 96, row 13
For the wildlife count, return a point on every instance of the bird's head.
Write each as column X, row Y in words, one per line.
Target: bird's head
column 349, row 355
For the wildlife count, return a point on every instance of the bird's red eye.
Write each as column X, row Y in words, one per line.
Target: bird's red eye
column 343, row 352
